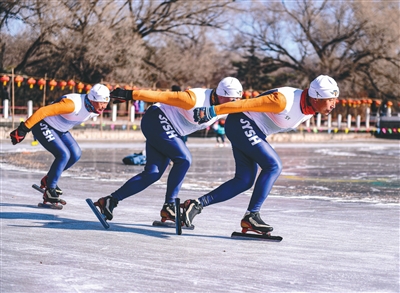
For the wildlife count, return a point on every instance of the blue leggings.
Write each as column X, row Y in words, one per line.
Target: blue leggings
column 62, row 145
column 162, row 145
column 250, row 150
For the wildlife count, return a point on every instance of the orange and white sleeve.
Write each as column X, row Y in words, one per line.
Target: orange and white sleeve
column 65, row 106
column 273, row 103
column 185, row 100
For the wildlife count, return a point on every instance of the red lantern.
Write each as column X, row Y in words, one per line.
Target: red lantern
column 389, row 104
column 31, row 81
column 87, row 88
column 18, row 79
column 62, row 84
column 4, row 79
column 71, row 84
column 52, row 84
column 247, row 95
column 80, row 87
column 41, row 83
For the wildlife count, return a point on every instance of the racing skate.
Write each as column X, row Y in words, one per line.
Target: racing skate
column 167, row 220
column 102, row 218
column 259, row 230
column 47, row 204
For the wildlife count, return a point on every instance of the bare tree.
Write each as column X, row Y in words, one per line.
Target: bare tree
column 104, row 40
column 338, row 38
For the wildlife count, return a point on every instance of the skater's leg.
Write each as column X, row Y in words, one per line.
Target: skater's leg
column 156, row 163
column 237, row 128
column 50, row 139
column 181, row 157
column 245, row 174
column 271, row 168
column 74, row 149
column 158, row 140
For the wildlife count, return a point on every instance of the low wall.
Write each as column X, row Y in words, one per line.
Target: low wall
column 137, row 135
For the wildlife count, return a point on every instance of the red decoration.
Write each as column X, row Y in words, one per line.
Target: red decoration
column 52, row 84
column 4, row 79
column 71, row 84
column 80, row 87
column 109, row 86
column 41, row 83
column 247, row 95
column 87, row 88
column 62, row 84
column 18, row 79
column 31, row 81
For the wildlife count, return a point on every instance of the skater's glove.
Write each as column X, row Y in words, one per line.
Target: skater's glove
column 204, row 114
column 19, row 134
column 119, row 95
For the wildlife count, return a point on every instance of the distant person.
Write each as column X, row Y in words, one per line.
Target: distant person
column 273, row 111
column 163, row 125
column 220, row 132
column 50, row 125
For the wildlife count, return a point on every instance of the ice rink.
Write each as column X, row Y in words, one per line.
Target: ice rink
column 336, row 205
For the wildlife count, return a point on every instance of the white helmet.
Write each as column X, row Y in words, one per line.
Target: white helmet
column 230, row 87
column 99, row 93
column 323, row 87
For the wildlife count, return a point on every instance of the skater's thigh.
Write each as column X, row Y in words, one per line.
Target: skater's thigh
column 71, row 144
column 50, row 139
column 246, row 136
column 162, row 136
column 156, row 161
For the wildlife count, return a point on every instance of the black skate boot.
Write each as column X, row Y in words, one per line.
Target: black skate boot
column 168, row 212
column 50, row 195
column 191, row 208
column 253, row 222
column 43, row 185
column 107, row 205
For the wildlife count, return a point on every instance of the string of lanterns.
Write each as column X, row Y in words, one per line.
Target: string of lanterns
column 41, row 82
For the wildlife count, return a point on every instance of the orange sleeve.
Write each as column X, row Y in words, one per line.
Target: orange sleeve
column 273, row 103
column 185, row 100
column 65, row 106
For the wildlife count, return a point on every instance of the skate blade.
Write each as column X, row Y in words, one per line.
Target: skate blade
column 35, row 186
column 178, row 217
column 50, row 206
column 99, row 215
column 170, row 225
column 248, row 236
column 46, row 204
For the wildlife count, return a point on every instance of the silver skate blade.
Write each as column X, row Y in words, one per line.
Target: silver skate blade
column 249, row 236
column 38, row 188
column 99, row 216
column 50, row 206
column 170, row 225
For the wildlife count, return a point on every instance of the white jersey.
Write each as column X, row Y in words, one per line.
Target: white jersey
column 65, row 122
column 288, row 119
column 182, row 120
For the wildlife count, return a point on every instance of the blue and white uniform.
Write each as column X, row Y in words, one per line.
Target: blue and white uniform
column 53, row 132
column 247, row 131
column 163, row 126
